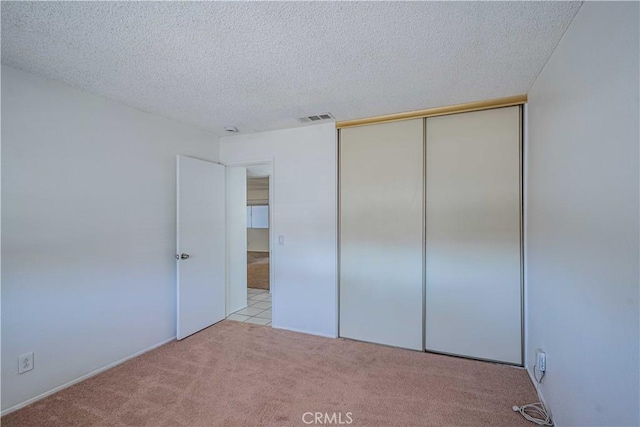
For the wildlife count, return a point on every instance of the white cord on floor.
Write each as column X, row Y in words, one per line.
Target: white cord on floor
column 535, row 412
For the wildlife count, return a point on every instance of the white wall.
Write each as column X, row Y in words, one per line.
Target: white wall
column 88, row 230
column 583, row 219
column 303, row 211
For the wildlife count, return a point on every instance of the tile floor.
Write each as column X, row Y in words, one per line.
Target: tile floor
column 258, row 309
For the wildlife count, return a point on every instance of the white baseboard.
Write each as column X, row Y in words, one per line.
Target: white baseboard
column 82, row 378
column 536, row 385
column 301, row 331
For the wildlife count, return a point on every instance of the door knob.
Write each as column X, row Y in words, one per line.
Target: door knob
column 183, row 256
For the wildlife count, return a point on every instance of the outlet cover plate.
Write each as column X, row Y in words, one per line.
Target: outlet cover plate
column 25, row 363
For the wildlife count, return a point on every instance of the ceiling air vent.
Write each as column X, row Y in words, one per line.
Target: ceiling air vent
column 308, row 119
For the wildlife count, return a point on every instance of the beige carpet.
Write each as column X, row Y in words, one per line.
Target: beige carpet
column 258, row 270
column 238, row 374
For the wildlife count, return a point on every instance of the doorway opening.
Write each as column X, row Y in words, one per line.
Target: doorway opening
column 258, row 259
column 251, row 255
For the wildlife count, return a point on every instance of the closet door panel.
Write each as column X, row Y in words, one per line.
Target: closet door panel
column 381, row 238
column 473, row 262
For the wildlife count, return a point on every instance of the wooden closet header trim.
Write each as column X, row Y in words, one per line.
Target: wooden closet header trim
column 436, row 111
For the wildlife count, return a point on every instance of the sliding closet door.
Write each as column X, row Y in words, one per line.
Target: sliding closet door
column 473, row 276
column 381, row 239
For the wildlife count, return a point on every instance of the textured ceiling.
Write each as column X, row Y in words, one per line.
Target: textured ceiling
column 261, row 65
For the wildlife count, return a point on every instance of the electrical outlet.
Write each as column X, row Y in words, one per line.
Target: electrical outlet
column 541, row 360
column 25, row 363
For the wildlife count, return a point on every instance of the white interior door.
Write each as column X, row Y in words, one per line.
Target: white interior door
column 381, row 223
column 200, row 245
column 237, row 238
column 473, row 286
